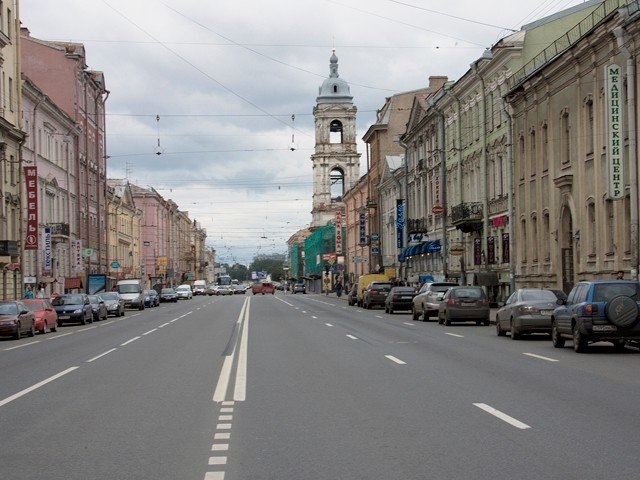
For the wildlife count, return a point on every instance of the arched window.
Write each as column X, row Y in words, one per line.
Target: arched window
column 337, row 184
column 335, row 132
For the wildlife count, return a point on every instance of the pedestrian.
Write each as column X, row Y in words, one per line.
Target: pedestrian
column 339, row 288
column 620, row 275
column 28, row 293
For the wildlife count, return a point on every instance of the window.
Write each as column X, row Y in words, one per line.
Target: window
column 11, row 94
column 590, row 126
column 591, row 219
column 337, row 184
column 565, row 136
column 534, row 232
column 546, row 237
column 611, row 226
column 501, row 173
column 532, row 149
column 523, row 236
column 521, row 152
column 335, row 132
column 545, row 148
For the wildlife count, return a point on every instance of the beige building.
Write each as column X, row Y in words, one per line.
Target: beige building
column 575, row 156
column 123, row 235
column 12, row 237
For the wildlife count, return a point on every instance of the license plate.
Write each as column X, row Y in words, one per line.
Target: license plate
column 63, row 317
column 604, row 328
column 406, row 298
column 546, row 312
column 469, row 304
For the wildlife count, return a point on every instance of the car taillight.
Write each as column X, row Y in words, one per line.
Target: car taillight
column 527, row 308
column 484, row 301
column 591, row 309
column 451, row 301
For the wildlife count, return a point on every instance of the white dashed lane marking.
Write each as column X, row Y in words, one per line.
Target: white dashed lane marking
column 396, row 360
column 541, row 357
column 502, row 416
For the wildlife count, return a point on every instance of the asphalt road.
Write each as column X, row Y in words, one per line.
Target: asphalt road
column 305, row 387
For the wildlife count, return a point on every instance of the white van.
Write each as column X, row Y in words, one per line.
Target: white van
column 200, row 287
column 131, row 292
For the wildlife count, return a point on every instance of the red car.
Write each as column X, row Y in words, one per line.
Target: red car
column 46, row 316
column 16, row 319
column 263, row 287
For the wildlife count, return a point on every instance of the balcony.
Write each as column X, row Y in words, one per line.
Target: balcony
column 467, row 217
column 9, row 248
column 59, row 229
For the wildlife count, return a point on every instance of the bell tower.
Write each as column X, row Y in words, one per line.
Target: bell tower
column 336, row 161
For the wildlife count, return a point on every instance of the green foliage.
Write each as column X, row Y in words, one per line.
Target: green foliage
column 239, row 272
column 271, row 266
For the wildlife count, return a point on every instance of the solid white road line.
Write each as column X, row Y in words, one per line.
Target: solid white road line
column 225, row 374
column 36, row 386
column 88, row 328
column 502, row 416
column 240, row 391
column 378, row 316
column 394, row 359
column 541, row 357
column 454, row 335
column 164, row 325
column 101, row 355
column 150, row 331
column 60, row 336
column 410, row 324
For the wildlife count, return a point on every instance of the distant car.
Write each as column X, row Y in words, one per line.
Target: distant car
column 376, row 294
column 73, row 307
column 168, row 295
column 352, row 296
column 114, row 303
column 427, row 301
column 527, row 310
column 399, row 298
column 224, row 290
column 184, row 292
column 262, row 288
column 46, row 316
column 211, row 289
column 16, row 319
column 300, row 287
column 462, row 304
column 200, row 287
column 601, row 310
column 98, row 307
column 151, row 298
column 238, row 290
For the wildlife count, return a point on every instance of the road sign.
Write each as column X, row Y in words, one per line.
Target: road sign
column 115, row 264
column 374, row 236
column 87, row 252
column 437, row 209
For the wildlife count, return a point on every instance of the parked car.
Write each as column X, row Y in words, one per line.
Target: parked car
column 184, row 292
column 600, row 310
column 114, row 303
column 352, row 296
column 527, row 310
column 73, row 307
column 376, row 294
column 151, row 298
column 98, row 307
column 46, row 316
column 364, row 281
column 263, row 287
column 168, row 295
column 427, row 301
column 462, row 304
column 16, row 319
column 399, row 298
column 299, row 287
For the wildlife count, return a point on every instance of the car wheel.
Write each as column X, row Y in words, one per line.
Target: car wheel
column 447, row 319
column 414, row 315
column 390, row 310
column 486, row 322
column 54, row 327
column 32, row 330
column 43, row 330
column 83, row 320
column 515, row 335
column 18, row 334
column 579, row 341
column 556, row 340
column 440, row 319
column 619, row 345
column 499, row 331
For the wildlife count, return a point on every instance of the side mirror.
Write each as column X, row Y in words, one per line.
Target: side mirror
column 561, row 301
column 24, row 312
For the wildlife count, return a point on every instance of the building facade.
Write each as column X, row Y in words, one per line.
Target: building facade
column 49, row 149
column 124, row 235
column 60, row 70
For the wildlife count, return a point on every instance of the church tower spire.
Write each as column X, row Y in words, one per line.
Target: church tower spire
column 336, row 161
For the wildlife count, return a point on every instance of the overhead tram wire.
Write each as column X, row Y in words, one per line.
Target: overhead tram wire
column 233, row 92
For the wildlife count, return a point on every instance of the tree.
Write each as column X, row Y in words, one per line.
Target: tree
column 239, row 272
column 269, row 265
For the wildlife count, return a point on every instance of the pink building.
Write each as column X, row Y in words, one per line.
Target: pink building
column 59, row 69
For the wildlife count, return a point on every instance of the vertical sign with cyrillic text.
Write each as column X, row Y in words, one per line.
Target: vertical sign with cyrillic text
column 31, row 190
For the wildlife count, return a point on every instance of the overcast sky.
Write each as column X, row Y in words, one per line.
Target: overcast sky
column 212, row 86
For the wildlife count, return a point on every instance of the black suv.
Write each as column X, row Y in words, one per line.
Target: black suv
column 601, row 310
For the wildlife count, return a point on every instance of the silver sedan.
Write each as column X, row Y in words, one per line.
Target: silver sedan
column 527, row 310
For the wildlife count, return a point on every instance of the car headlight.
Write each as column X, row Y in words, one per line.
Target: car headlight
column 78, row 310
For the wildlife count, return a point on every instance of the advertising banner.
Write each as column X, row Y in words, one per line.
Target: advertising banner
column 399, row 223
column 362, row 222
column 46, row 257
column 339, row 232
column 615, row 138
column 31, row 191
